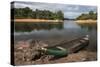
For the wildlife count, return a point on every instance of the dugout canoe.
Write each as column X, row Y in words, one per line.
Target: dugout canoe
column 65, row 48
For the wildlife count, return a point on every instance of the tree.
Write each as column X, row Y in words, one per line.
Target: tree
column 90, row 15
column 37, row 14
column 60, row 15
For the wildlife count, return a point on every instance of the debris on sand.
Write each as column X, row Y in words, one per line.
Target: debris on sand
column 27, row 52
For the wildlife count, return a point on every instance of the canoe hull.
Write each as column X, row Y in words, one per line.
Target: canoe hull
column 63, row 51
column 56, row 52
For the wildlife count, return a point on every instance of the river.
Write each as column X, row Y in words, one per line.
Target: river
column 56, row 32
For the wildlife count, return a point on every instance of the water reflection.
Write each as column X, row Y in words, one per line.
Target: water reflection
column 91, row 30
column 56, row 32
column 28, row 27
column 88, row 27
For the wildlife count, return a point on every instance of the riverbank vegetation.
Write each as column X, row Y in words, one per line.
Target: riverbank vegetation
column 27, row 13
column 85, row 16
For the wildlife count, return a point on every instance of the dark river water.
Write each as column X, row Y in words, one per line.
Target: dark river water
column 56, row 32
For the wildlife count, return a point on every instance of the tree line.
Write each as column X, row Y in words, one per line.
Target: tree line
column 89, row 15
column 26, row 12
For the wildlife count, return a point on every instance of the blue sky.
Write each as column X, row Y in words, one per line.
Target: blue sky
column 70, row 11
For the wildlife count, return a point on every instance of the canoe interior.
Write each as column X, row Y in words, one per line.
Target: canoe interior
column 73, row 45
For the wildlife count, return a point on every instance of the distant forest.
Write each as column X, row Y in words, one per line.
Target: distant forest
column 85, row 16
column 25, row 13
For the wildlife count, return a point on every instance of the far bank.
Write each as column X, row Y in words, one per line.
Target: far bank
column 86, row 21
column 35, row 20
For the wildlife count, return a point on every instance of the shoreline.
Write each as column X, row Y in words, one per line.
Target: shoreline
column 35, row 20
column 23, row 47
column 86, row 21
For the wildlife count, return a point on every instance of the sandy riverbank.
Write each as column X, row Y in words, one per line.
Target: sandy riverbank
column 36, row 20
column 81, row 56
column 25, row 52
column 86, row 21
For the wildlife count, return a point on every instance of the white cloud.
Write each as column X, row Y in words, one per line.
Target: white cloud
column 72, row 8
column 72, row 14
column 70, row 11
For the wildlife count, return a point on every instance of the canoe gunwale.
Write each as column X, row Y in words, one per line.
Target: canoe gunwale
column 62, row 51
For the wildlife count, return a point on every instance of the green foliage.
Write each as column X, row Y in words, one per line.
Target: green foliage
column 37, row 14
column 90, row 15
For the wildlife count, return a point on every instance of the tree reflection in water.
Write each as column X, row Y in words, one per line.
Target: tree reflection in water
column 88, row 27
column 28, row 27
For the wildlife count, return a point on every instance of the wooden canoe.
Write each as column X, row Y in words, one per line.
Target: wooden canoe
column 65, row 48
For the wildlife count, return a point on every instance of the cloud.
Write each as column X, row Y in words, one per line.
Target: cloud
column 47, row 6
column 72, row 14
column 70, row 11
column 72, row 8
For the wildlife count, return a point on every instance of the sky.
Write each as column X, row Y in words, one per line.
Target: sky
column 70, row 11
